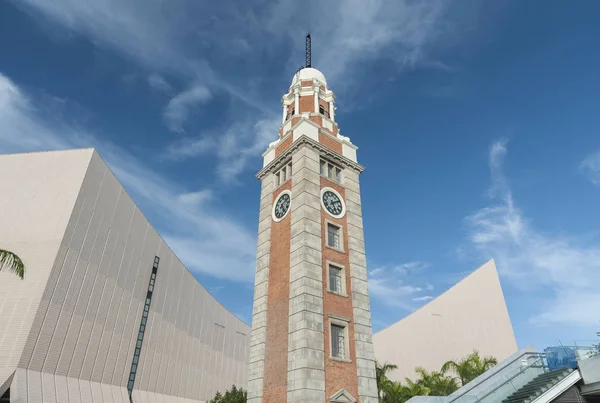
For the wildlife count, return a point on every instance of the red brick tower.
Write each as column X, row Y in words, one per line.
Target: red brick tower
column 311, row 323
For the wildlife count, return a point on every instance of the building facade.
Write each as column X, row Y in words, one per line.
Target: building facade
column 311, row 327
column 106, row 312
column 472, row 315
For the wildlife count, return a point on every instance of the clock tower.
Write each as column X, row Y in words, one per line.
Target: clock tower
column 311, row 323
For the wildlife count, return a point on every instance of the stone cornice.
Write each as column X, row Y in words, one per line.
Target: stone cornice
column 305, row 141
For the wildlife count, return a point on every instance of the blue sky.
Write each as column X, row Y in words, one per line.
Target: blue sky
column 478, row 123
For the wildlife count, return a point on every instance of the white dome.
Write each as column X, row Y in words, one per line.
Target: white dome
column 308, row 73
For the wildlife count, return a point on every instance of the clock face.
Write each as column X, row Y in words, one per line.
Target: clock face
column 282, row 206
column 333, row 203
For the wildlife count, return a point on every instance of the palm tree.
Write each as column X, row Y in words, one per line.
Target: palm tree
column 438, row 383
column 383, row 383
column 12, row 262
column 470, row 367
column 413, row 389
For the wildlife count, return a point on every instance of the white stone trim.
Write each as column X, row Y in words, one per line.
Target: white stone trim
column 331, row 111
column 303, row 128
column 268, row 156
column 306, row 341
column 328, row 189
column 284, row 192
column 304, row 141
column 342, row 396
column 259, row 309
column 348, row 151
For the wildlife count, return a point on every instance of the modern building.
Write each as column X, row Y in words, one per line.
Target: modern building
column 311, row 326
column 471, row 315
column 106, row 312
column 528, row 376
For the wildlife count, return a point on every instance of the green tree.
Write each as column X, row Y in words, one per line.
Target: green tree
column 12, row 262
column 438, row 383
column 469, row 367
column 233, row 395
column 383, row 383
column 396, row 392
column 412, row 389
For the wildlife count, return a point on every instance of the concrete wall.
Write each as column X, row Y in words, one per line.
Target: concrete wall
column 79, row 345
column 590, row 369
column 471, row 315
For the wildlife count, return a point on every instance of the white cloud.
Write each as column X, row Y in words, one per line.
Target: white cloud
column 176, row 37
column 198, row 197
column 401, row 31
column 234, row 147
column 561, row 268
column 139, row 29
column 590, row 167
column 176, row 34
column 424, row 298
column 204, row 238
column 411, row 267
column 179, row 106
column 387, row 285
column 159, row 83
column 190, row 148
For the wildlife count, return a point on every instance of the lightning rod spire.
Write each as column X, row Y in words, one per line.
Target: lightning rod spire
column 308, row 51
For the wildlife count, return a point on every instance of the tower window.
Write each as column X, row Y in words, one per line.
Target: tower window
column 336, row 280
column 283, row 174
column 334, row 236
column 290, row 113
column 321, row 110
column 331, row 171
column 338, row 341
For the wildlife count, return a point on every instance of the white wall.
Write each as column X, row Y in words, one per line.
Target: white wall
column 471, row 315
column 83, row 335
column 38, row 194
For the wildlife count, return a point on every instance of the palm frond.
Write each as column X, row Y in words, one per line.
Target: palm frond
column 12, row 262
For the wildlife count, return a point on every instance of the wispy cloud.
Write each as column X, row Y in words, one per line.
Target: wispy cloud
column 159, row 83
column 197, row 198
column 562, row 269
column 401, row 31
column 388, row 285
column 411, row 267
column 176, row 34
column 199, row 42
column 203, row 236
column 590, row 167
column 234, row 147
column 424, row 298
column 178, row 108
